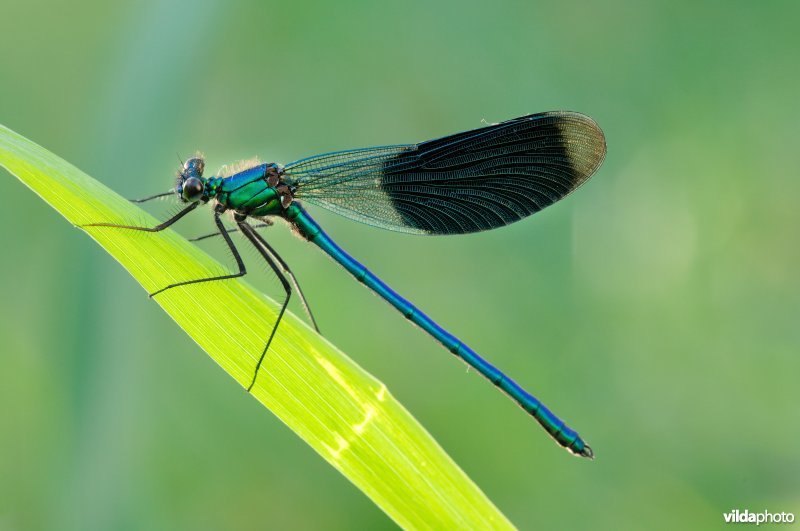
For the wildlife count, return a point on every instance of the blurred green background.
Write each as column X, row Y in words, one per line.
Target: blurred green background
column 656, row 309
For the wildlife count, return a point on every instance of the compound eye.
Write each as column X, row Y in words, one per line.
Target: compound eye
column 194, row 167
column 192, row 190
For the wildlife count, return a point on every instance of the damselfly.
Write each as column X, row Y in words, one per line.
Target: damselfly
column 467, row 182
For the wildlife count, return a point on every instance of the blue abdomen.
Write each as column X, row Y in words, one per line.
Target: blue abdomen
column 564, row 435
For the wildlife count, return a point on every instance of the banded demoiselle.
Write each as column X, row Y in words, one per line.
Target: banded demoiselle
column 466, row 182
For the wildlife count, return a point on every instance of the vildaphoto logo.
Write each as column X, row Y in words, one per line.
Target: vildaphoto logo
column 765, row 517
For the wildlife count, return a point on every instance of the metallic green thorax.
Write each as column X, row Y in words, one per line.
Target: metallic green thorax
column 251, row 192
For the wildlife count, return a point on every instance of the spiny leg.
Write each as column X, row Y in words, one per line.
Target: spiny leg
column 291, row 276
column 214, row 234
column 242, row 270
column 251, row 235
column 145, row 199
column 280, row 260
column 157, row 228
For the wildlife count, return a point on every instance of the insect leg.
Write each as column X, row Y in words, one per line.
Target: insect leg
column 242, row 270
column 157, row 228
column 145, row 199
column 213, row 234
column 251, row 235
column 291, row 276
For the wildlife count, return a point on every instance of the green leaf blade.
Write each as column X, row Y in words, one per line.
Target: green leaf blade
column 340, row 410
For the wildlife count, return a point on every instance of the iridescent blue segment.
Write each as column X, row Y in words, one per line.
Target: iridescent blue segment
column 565, row 436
